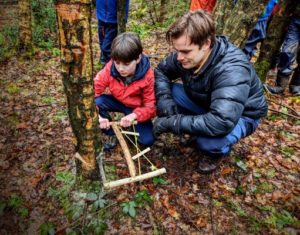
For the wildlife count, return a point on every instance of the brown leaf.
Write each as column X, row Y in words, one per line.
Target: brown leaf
column 172, row 211
column 22, row 125
column 276, row 195
column 201, row 222
column 226, row 171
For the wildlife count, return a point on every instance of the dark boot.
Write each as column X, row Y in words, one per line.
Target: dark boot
column 275, row 90
column 208, row 164
column 295, row 82
column 281, row 83
column 295, row 90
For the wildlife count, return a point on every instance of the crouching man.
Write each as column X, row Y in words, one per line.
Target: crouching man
column 219, row 98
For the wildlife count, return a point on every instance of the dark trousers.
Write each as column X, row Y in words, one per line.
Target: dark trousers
column 106, row 33
column 257, row 35
column 107, row 103
column 213, row 145
column 289, row 52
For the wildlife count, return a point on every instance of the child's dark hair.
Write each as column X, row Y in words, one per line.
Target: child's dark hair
column 126, row 47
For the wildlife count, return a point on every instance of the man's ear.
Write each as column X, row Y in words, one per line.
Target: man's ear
column 139, row 59
column 206, row 45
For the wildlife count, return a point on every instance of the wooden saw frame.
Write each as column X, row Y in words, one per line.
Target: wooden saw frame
column 129, row 160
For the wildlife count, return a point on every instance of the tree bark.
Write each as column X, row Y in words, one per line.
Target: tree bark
column 74, row 18
column 237, row 21
column 25, row 32
column 121, row 15
column 163, row 10
column 275, row 34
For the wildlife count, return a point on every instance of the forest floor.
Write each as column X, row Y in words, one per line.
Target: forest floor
column 256, row 190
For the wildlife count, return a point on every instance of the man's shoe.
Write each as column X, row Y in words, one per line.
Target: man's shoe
column 110, row 144
column 295, row 90
column 208, row 164
column 275, row 90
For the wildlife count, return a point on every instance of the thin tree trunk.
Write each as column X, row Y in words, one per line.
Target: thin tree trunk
column 25, row 33
column 236, row 21
column 121, row 16
column 275, row 34
column 163, row 10
column 74, row 18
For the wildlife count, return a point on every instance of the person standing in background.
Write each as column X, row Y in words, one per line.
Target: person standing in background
column 259, row 32
column 107, row 25
column 289, row 59
column 207, row 5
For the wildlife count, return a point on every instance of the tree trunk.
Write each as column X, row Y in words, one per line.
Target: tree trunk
column 163, row 10
column 275, row 34
column 25, row 33
column 74, row 18
column 121, row 16
column 236, row 21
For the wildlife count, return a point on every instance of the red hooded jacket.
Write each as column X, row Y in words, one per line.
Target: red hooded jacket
column 207, row 5
column 139, row 94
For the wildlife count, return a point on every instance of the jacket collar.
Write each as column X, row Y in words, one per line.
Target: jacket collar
column 141, row 69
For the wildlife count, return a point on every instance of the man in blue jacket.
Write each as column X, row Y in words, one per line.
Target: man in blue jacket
column 219, row 99
column 107, row 25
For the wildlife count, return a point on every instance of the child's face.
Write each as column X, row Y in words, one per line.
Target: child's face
column 126, row 69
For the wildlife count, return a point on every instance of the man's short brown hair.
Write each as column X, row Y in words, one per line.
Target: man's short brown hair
column 126, row 47
column 198, row 25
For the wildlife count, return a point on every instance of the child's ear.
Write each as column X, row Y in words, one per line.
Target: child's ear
column 139, row 59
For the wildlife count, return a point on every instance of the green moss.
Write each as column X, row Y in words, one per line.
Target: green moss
column 8, row 41
column 48, row 100
column 12, row 89
column 261, row 69
column 265, row 188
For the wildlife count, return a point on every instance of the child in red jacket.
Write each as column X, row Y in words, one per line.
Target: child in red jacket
column 130, row 82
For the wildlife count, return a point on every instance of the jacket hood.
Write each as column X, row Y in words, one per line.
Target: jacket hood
column 141, row 69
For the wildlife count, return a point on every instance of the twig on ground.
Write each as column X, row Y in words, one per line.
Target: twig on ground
column 293, row 110
column 287, row 114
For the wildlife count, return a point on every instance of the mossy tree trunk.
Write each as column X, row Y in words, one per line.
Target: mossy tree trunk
column 121, row 15
column 237, row 20
column 275, row 34
column 74, row 18
column 25, row 31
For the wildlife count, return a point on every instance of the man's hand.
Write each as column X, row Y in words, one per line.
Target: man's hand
column 166, row 107
column 104, row 123
column 167, row 124
column 160, row 126
column 128, row 120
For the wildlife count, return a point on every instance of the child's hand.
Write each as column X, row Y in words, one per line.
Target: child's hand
column 128, row 120
column 104, row 123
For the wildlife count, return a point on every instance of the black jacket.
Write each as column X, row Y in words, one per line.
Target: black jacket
column 227, row 86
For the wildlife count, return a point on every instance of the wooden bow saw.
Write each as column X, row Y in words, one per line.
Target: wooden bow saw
column 129, row 160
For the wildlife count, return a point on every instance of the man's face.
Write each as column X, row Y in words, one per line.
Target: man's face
column 190, row 55
column 126, row 69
